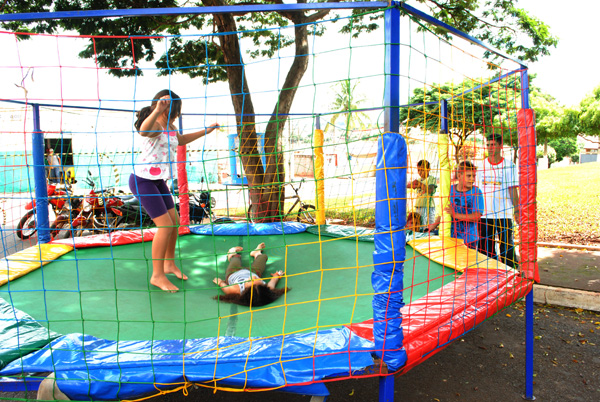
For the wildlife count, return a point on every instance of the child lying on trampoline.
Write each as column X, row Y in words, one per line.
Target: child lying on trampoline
column 244, row 286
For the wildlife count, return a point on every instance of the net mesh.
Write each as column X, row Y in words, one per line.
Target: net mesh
column 304, row 183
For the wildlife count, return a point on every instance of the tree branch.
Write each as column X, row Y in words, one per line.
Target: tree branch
column 588, row 139
column 450, row 9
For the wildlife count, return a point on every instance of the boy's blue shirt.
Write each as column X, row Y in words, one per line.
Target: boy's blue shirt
column 467, row 202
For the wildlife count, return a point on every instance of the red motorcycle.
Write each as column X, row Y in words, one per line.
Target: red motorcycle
column 100, row 211
column 59, row 200
column 61, row 227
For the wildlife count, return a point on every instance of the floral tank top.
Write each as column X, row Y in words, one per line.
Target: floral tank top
column 157, row 156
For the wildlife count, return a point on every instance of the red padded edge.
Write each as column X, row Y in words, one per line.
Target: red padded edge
column 527, row 191
column 116, row 238
column 432, row 322
column 182, row 182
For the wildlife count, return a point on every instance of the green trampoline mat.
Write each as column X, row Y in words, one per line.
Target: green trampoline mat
column 105, row 291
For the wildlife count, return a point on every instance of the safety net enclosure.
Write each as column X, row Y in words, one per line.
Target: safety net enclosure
column 349, row 184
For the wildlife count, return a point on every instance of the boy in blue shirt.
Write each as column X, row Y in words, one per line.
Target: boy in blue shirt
column 466, row 205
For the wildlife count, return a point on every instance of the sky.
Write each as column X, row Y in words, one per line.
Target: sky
column 572, row 69
column 569, row 73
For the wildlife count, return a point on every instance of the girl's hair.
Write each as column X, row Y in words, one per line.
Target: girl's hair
column 258, row 295
column 174, row 111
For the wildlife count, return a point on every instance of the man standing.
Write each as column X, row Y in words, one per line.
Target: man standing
column 498, row 179
column 54, row 165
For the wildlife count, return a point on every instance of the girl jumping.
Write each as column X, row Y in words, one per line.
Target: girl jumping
column 154, row 166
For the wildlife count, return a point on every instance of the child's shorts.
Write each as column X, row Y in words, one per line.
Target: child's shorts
column 154, row 195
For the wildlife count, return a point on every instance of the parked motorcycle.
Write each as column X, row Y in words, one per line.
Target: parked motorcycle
column 201, row 204
column 61, row 203
column 133, row 215
column 100, row 211
column 61, row 227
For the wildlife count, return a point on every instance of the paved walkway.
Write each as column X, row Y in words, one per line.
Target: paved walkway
column 569, row 278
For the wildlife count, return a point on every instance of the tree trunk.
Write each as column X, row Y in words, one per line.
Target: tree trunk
column 274, row 195
column 242, row 105
column 266, row 189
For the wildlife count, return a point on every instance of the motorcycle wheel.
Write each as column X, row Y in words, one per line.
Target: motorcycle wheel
column 103, row 224
column 78, row 231
column 61, row 229
column 27, row 226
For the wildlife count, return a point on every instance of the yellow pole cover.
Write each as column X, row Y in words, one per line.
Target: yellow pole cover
column 445, row 182
column 320, row 176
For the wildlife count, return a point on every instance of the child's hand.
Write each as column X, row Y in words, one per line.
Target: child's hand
column 163, row 103
column 449, row 210
column 278, row 273
column 215, row 126
column 216, row 281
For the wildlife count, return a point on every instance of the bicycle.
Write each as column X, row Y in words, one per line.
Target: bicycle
column 306, row 212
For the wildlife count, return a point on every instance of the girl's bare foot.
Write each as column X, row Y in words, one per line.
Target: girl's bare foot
column 171, row 268
column 233, row 251
column 258, row 250
column 163, row 283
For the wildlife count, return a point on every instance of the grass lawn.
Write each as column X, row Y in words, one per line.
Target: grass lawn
column 569, row 204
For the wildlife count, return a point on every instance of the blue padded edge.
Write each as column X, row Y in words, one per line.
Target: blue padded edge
column 88, row 367
column 249, row 229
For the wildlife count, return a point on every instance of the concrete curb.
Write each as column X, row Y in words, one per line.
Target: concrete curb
column 568, row 246
column 564, row 297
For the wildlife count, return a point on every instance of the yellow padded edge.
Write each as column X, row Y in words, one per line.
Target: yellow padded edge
column 30, row 259
column 453, row 253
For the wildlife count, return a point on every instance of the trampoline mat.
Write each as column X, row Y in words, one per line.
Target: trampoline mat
column 105, row 291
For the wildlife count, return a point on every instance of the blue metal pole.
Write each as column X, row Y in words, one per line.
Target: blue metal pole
column 444, row 113
column 391, row 101
column 386, row 388
column 429, row 19
column 39, row 179
column 529, row 336
column 232, row 161
column 151, row 12
column 261, row 149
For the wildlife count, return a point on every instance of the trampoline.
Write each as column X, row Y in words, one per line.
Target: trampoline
column 362, row 302
column 104, row 291
column 99, row 327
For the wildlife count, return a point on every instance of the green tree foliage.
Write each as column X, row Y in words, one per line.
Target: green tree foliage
column 345, row 105
column 473, row 107
column 589, row 119
column 552, row 120
column 549, row 152
column 564, row 147
column 488, row 109
column 499, row 22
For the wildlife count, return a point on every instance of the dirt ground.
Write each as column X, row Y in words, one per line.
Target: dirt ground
column 487, row 364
